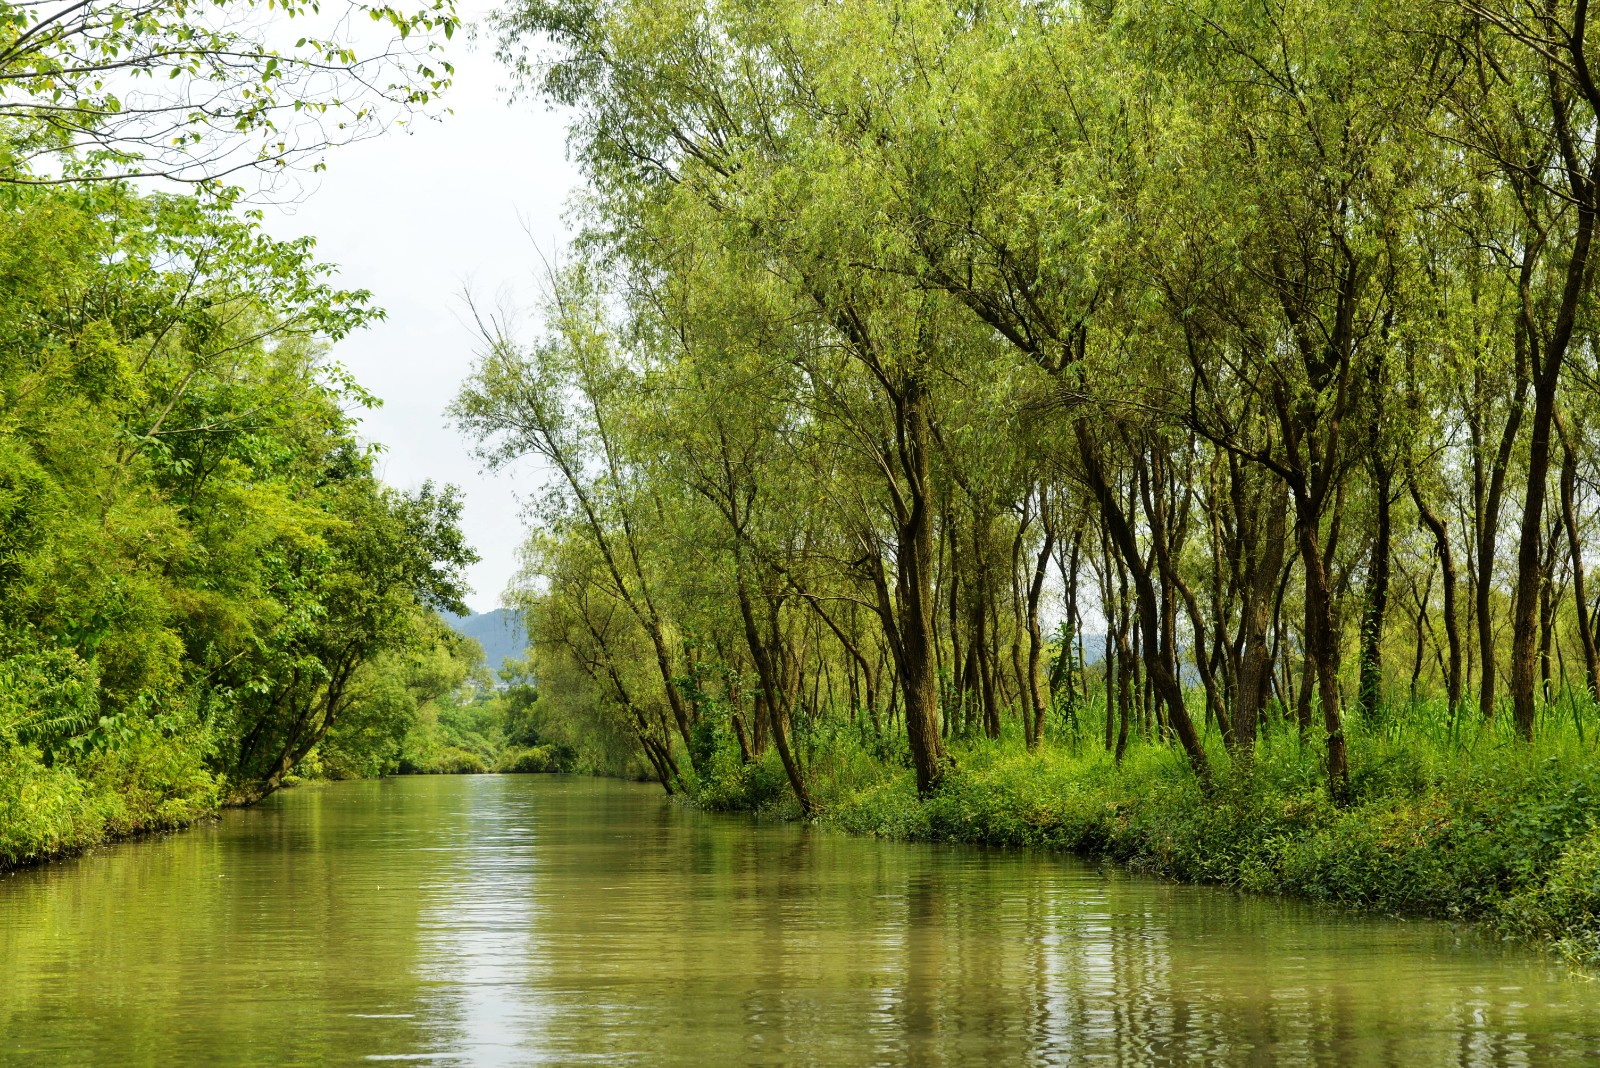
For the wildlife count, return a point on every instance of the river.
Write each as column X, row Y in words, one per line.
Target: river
column 511, row 920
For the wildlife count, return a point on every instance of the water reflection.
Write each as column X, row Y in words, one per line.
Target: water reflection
column 511, row 921
column 688, row 939
column 476, row 960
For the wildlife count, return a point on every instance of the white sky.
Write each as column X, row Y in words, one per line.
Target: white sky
column 417, row 216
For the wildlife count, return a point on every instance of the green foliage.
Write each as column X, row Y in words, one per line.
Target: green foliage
column 458, row 723
column 533, row 759
column 1264, row 325
column 449, row 730
column 519, row 696
column 197, row 91
column 730, row 785
column 201, row 577
column 199, row 572
column 1564, row 908
column 394, row 694
column 145, row 782
column 448, row 760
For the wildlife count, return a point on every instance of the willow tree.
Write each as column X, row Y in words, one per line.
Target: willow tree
column 1237, row 309
column 95, row 90
column 1528, row 104
column 564, row 398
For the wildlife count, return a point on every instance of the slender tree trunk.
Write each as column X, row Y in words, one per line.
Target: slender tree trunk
column 1547, row 617
column 1320, row 640
column 1110, row 604
column 772, row 689
column 1126, row 661
column 1447, row 569
column 1583, row 185
column 1421, row 624
column 1127, row 544
column 1070, row 662
column 743, row 738
column 960, row 679
column 1580, row 597
column 1525, row 606
column 1255, row 665
column 914, row 608
column 1036, row 694
column 1488, row 534
column 1308, row 671
column 1370, row 687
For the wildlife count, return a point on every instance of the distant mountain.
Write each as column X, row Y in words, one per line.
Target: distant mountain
column 500, row 632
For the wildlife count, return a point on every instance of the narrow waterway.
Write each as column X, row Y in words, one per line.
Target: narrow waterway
column 534, row 920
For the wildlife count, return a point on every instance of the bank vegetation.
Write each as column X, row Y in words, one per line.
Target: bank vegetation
column 203, row 582
column 1159, row 428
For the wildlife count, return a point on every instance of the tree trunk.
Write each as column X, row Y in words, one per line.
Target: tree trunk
column 1255, row 665
column 771, row 688
column 1320, row 639
column 912, row 614
column 1370, row 686
column 1488, row 533
column 1125, row 661
column 1036, row 694
column 1122, row 535
column 1447, row 568
column 1530, row 546
column 1580, row 597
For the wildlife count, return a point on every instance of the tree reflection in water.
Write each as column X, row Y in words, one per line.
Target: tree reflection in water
column 536, row 920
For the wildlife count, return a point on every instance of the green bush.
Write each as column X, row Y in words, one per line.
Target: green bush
column 730, row 785
column 1565, row 908
column 149, row 782
column 450, row 760
column 530, row 760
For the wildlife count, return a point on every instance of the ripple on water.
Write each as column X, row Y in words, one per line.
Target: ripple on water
column 525, row 920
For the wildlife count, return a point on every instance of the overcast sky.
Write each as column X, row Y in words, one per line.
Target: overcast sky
column 415, row 216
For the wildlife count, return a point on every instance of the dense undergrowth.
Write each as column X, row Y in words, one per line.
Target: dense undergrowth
column 47, row 810
column 1465, row 824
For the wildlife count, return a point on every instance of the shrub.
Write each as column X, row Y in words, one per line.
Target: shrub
column 449, row 760
column 531, row 759
column 729, row 785
column 1565, row 908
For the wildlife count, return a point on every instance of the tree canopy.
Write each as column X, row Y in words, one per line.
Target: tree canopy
column 202, row 578
column 915, row 357
column 194, row 91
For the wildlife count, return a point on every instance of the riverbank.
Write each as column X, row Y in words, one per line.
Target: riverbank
column 1482, row 830
column 51, row 809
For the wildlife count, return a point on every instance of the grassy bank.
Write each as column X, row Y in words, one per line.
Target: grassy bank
column 1468, row 826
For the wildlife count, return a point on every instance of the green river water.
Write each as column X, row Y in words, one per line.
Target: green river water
column 514, row 920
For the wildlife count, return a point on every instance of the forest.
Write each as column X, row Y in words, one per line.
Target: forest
column 1159, row 429
column 203, row 583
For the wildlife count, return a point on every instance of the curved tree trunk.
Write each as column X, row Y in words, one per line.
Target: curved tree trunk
column 1447, row 567
column 1122, row 535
